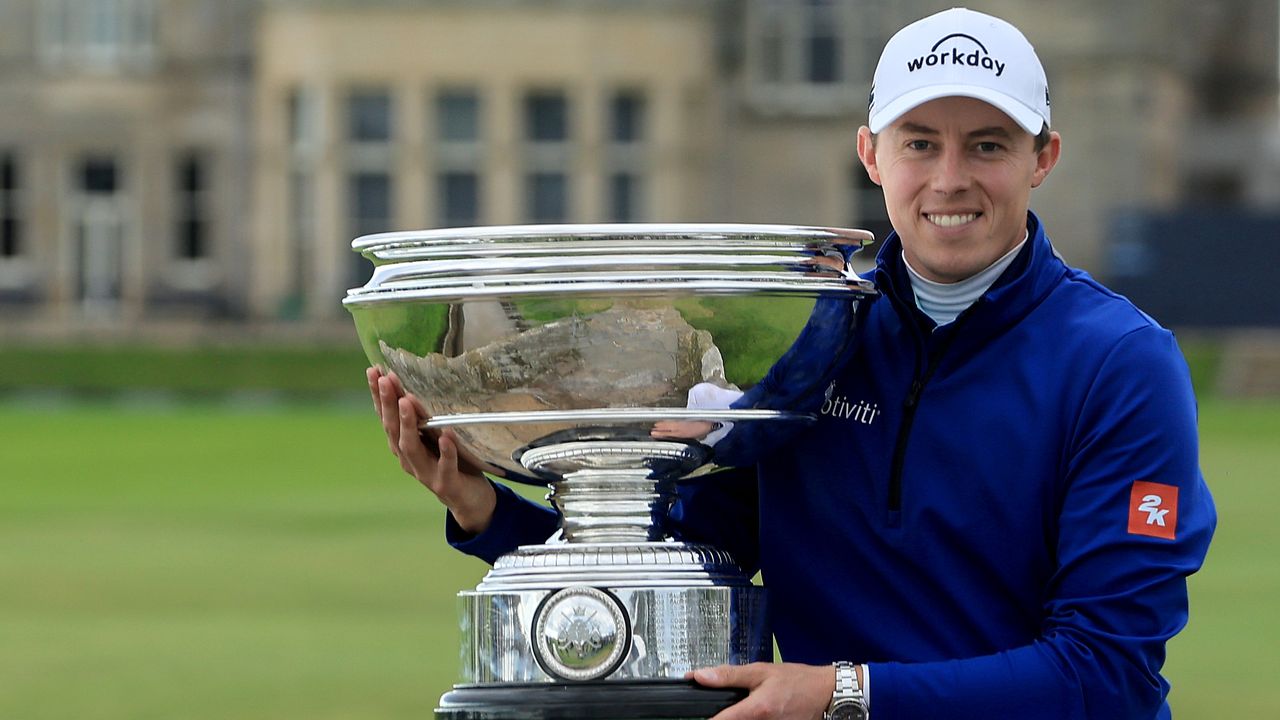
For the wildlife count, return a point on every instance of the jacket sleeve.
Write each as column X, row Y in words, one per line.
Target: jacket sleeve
column 516, row 521
column 722, row 510
column 1118, row 592
column 795, row 383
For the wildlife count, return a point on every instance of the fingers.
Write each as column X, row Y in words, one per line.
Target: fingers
column 785, row 691
column 469, row 464
column 448, row 447
column 775, row 691
column 389, row 412
column 410, row 448
column 395, row 382
column 434, row 464
column 438, row 463
column 681, row 429
column 402, row 416
column 743, row 676
column 372, row 374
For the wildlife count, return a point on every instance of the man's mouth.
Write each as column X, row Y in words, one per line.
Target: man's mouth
column 952, row 220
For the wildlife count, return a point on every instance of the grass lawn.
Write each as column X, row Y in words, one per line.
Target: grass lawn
column 211, row 562
column 1225, row 663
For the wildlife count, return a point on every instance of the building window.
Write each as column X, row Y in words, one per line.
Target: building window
column 811, row 57
column 822, row 43
column 10, row 217
column 370, row 132
column 301, row 238
column 97, row 35
column 769, row 44
column 369, row 116
column 547, row 156
column 459, row 199
column 548, row 197
column 192, row 216
column 459, row 158
column 627, row 115
column 624, row 197
column 303, row 134
column 369, row 200
column 303, row 119
column 546, row 117
column 625, row 156
column 98, row 175
column 798, row 40
column 458, row 116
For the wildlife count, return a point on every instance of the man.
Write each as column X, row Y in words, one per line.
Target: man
column 1009, row 536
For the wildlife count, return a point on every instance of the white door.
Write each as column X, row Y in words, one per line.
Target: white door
column 101, row 269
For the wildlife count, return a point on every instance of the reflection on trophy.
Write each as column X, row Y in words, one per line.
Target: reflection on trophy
column 609, row 362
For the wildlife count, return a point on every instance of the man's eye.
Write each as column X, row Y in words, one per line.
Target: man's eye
column 918, row 144
column 988, row 147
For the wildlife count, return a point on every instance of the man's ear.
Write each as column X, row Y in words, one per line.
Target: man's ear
column 1046, row 159
column 867, row 154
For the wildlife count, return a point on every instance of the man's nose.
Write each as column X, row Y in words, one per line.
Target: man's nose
column 952, row 173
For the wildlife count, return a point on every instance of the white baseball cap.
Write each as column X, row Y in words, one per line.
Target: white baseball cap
column 965, row 53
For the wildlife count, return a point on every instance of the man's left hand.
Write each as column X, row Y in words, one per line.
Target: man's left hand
column 785, row 691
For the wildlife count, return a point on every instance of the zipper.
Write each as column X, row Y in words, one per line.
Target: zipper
column 909, row 406
column 904, row 431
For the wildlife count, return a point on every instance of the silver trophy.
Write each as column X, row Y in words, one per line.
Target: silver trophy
column 609, row 362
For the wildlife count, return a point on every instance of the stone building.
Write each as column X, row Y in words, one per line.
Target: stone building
column 193, row 159
column 124, row 148
column 377, row 116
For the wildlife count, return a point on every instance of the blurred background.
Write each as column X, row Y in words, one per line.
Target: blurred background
column 198, row 515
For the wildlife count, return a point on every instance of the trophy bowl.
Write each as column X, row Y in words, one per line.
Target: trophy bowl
column 609, row 362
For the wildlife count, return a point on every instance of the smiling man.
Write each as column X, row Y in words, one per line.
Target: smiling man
column 996, row 511
column 1010, row 537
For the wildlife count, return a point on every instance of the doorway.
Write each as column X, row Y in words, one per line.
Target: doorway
column 99, row 235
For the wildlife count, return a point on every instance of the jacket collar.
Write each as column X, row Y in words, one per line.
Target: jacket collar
column 1022, row 286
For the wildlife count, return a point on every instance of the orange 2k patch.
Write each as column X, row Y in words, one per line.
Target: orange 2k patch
column 1153, row 510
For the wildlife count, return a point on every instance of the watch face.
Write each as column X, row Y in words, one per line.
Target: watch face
column 848, row 710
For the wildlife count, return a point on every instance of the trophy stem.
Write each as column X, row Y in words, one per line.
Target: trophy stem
column 613, row 490
column 600, row 506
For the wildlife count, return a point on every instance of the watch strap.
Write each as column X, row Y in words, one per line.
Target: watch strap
column 847, row 688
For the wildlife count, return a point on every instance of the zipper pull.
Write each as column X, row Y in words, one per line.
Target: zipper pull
column 914, row 395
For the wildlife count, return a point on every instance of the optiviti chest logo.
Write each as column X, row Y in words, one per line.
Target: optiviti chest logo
column 960, row 50
column 839, row 406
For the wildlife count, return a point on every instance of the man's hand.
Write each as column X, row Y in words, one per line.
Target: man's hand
column 681, row 429
column 786, row 691
column 458, row 484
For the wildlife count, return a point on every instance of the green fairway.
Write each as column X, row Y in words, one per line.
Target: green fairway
column 218, row 564
column 1225, row 663
column 213, row 562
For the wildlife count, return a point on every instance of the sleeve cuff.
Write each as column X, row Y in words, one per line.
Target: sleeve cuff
column 516, row 521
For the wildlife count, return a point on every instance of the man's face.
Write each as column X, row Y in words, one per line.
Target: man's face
column 957, row 175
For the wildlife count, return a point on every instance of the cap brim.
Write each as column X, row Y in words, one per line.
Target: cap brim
column 1028, row 119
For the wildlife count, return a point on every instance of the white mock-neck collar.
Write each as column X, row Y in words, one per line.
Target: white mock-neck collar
column 943, row 302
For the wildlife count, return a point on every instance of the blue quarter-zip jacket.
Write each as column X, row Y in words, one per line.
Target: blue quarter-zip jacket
column 997, row 515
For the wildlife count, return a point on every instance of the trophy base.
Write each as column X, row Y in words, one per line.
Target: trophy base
column 634, row 612
column 599, row 700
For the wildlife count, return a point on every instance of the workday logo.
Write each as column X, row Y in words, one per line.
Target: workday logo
column 960, row 50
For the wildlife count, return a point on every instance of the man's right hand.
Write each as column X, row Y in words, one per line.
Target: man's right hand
column 458, row 484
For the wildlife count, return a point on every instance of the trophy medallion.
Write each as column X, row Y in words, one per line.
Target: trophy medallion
column 610, row 363
column 580, row 633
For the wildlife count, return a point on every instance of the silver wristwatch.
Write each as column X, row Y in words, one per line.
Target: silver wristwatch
column 847, row 702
